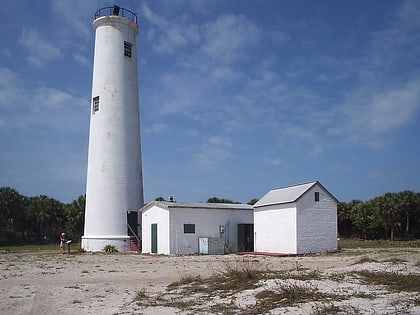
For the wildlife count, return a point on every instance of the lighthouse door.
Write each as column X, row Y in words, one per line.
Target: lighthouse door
column 132, row 223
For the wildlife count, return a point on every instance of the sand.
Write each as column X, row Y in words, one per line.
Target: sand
column 84, row 283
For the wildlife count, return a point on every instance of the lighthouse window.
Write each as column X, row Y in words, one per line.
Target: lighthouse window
column 189, row 228
column 95, row 104
column 127, row 49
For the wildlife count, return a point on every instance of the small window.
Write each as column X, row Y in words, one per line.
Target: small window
column 189, row 228
column 316, row 196
column 127, row 49
column 95, row 104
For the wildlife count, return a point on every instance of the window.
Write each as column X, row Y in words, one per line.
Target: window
column 95, row 104
column 127, row 49
column 189, row 228
column 316, row 196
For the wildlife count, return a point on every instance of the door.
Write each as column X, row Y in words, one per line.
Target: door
column 245, row 237
column 132, row 223
column 154, row 238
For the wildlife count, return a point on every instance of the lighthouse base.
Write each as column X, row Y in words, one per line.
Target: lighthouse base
column 96, row 243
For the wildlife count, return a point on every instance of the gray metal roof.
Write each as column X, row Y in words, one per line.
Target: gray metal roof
column 286, row 194
column 198, row 205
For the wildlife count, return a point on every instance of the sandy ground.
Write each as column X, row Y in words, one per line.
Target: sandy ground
column 52, row 283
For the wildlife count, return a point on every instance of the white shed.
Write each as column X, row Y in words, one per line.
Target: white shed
column 173, row 228
column 298, row 219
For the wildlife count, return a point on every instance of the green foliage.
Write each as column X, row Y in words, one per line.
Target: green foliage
column 110, row 249
column 253, row 201
column 220, row 200
column 391, row 216
column 38, row 219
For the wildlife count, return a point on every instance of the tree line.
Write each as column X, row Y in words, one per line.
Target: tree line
column 38, row 219
column 390, row 216
column 41, row 218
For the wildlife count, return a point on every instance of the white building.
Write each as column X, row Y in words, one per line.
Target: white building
column 114, row 173
column 172, row 228
column 296, row 220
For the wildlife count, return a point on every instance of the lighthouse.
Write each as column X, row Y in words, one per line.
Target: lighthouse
column 114, row 186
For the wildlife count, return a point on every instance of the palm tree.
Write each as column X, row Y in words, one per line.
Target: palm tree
column 75, row 216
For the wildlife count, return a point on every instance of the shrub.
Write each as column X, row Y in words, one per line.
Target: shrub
column 110, row 249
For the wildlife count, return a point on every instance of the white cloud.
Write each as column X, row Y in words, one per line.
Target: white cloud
column 75, row 17
column 169, row 35
column 82, row 60
column 228, row 37
column 156, row 128
column 7, row 53
column 40, row 50
column 225, row 73
column 30, row 106
column 275, row 162
column 409, row 13
column 370, row 117
column 213, row 151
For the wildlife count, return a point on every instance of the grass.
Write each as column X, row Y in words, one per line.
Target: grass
column 268, row 289
column 219, row 291
column 392, row 280
column 395, row 260
column 36, row 247
column 289, row 293
column 364, row 259
column 353, row 244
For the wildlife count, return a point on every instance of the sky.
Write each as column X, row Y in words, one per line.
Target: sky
column 236, row 97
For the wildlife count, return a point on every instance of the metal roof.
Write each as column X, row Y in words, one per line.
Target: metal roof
column 197, row 205
column 287, row 194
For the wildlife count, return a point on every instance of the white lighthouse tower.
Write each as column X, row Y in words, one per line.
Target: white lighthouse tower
column 114, row 174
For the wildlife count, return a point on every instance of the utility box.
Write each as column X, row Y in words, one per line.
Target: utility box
column 211, row 245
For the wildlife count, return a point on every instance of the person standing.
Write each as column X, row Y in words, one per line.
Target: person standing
column 63, row 241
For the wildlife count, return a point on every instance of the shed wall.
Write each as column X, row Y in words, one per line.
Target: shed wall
column 275, row 229
column 161, row 218
column 207, row 223
column 316, row 222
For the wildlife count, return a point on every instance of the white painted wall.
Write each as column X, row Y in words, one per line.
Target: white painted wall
column 275, row 229
column 207, row 222
column 114, row 174
column 171, row 236
column 160, row 216
column 316, row 222
column 297, row 228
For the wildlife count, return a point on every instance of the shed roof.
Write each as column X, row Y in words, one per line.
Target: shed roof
column 197, row 205
column 287, row 194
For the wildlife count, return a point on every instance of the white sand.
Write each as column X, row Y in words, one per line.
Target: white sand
column 52, row 283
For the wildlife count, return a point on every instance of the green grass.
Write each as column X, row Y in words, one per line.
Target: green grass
column 352, row 244
column 392, row 280
column 38, row 247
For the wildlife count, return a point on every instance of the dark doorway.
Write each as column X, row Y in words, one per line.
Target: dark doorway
column 132, row 223
column 245, row 237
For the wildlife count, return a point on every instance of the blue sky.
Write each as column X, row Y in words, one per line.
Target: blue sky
column 236, row 97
